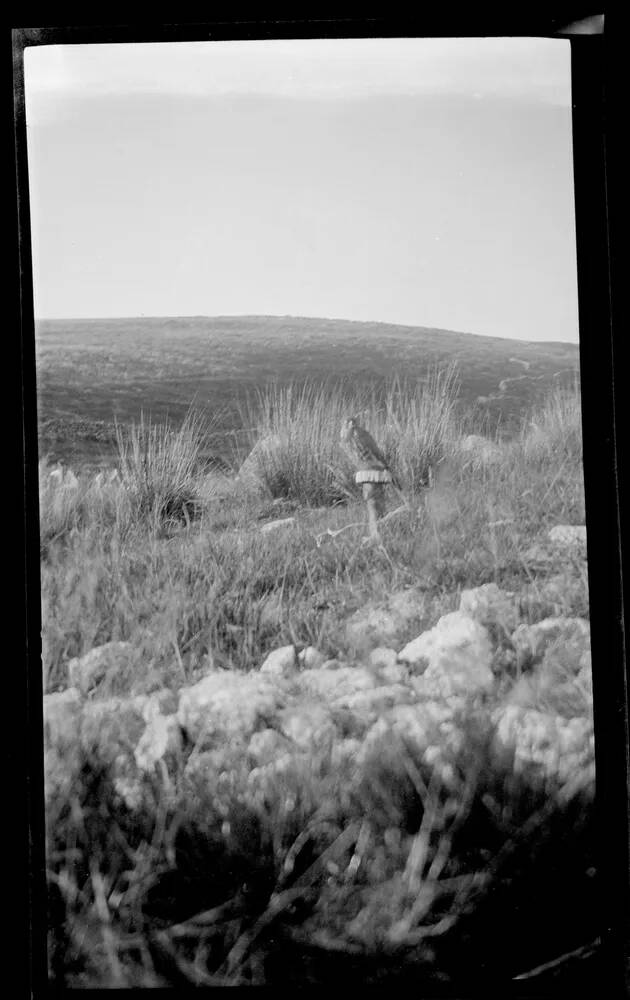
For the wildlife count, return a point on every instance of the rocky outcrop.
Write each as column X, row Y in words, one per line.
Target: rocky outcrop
column 261, row 456
column 246, row 728
column 226, row 706
column 456, row 654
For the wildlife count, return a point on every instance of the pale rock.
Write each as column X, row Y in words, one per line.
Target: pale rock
column 489, row 605
column 228, row 705
column 161, row 702
column 311, row 658
column 456, row 653
column 383, row 657
column 336, row 686
column 406, row 723
column 333, row 664
column 162, row 736
column 261, row 455
column 369, row 704
column 561, row 748
column 88, row 671
column 266, row 746
column 395, row 673
column 568, row 536
column 61, row 714
column 272, row 526
column 308, row 725
column 281, row 662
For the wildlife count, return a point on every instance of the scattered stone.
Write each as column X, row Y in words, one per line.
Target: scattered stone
column 266, row 746
column 403, row 722
column 335, row 687
column 281, row 662
column 561, row 748
column 308, row 725
column 87, row 672
column 383, row 657
column 367, row 705
column 61, row 714
column 161, row 736
column 333, row 664
column 161, row 702
column 311, row 658
column 225, row 704
column 262, row 452
column 456, row 652
column 283, row 522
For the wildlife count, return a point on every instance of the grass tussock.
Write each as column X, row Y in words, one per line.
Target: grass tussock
column 296, row 435
column 324, row 873
column 160, row 468
column 553, row 431
column 71, row 506
column 220, row 592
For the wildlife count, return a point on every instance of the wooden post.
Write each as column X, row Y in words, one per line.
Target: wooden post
column 372, row 494
column 373, row 483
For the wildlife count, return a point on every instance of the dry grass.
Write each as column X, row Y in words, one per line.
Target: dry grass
column 160, row 468
column 371, row 875
column 413, row 423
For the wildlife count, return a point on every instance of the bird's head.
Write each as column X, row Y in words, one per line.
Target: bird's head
column 348, row 426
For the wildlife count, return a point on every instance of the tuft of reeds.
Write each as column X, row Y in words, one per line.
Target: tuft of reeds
column 160, row 468
column 296, row 447
column 553, row 430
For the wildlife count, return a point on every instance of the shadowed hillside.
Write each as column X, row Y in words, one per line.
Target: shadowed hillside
column 90, row 371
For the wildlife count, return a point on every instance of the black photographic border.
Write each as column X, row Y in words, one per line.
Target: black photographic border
column 599, row 179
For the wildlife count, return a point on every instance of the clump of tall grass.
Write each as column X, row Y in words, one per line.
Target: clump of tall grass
column 297, row 428
column 296, row 444
column 553, row 430
column 69, row 504
column 418, row 425
column 160, row 468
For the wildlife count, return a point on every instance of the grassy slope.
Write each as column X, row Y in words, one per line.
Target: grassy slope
column 119, row 564
column 90, row 370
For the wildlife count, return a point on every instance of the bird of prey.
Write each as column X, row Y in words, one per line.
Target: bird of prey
column 364, row 451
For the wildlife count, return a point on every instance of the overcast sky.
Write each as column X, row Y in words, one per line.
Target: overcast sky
column 418, row 181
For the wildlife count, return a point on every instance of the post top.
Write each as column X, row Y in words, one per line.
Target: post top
column 373, row 476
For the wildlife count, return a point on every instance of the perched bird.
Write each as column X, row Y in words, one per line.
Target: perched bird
column 364, row 451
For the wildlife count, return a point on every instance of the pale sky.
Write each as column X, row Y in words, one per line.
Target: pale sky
column 419, row 181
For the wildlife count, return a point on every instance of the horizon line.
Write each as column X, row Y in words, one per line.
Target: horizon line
column 293, row 316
